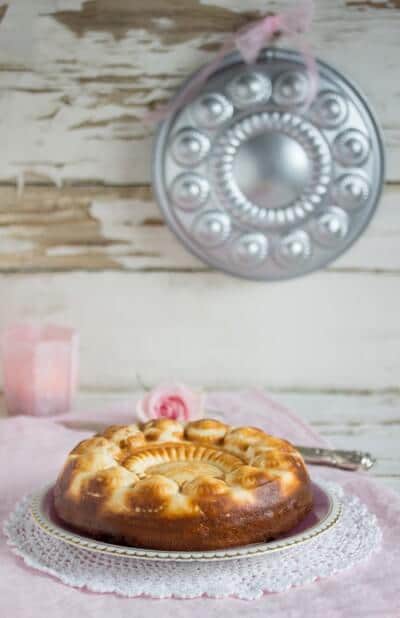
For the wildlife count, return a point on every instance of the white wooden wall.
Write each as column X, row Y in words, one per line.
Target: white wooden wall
column 82, row 241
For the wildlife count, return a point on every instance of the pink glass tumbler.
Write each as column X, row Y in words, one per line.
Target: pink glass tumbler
column 40, row 368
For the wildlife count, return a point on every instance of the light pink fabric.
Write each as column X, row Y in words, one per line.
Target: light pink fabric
column 31, row 453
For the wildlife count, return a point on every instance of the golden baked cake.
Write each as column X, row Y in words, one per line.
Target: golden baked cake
column 164, row 485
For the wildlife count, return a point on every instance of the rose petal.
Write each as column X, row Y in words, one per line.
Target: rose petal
column 173, row 400
column 142, row 409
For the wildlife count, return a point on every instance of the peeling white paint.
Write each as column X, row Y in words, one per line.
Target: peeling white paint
column 10, row 244
column 18, row 27
column 19, row 18
column 250, row 5
column 163, row 22
column 130, row 231
column 98, row 78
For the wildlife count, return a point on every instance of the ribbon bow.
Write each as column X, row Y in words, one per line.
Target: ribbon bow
column 250, row 40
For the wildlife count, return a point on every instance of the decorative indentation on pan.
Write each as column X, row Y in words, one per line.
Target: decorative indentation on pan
column 351, row 147
column 252, row 182
column 291, row 88
column 330, row 109
column 249, row 88
column 189, row 191
column 332, row 226
column 294, row 248
column 211, row 110
column 212, row 228
column 351, row 191
column 189, row 147
column 250, row 249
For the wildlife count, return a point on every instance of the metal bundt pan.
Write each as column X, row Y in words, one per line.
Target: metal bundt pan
column 259, row 184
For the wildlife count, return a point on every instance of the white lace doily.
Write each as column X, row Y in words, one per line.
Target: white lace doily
column 352, row 539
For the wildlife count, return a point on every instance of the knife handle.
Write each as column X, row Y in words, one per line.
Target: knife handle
column 347, row 460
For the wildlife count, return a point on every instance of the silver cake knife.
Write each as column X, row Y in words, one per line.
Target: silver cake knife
column 346, row 460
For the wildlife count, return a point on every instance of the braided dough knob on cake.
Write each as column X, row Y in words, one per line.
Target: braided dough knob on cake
column 165, row 485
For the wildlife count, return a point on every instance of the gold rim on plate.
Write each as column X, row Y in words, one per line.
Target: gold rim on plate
column 40, row 515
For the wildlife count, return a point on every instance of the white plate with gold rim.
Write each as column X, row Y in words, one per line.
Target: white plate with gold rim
column 325, row 514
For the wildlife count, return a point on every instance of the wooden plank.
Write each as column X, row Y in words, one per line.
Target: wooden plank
column 324, row 409
column 366, row 422
column 121, row 228
column 89, row 228
column 369, row 422
column 74, row 94
column 323, row 331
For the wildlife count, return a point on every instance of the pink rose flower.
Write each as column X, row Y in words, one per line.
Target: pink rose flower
column 173, row 401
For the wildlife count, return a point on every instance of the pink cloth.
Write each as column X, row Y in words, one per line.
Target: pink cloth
column 31, row 453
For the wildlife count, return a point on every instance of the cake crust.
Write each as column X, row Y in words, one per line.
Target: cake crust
column 164, row 485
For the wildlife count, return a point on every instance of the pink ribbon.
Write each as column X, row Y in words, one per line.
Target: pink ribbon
column 250, row 40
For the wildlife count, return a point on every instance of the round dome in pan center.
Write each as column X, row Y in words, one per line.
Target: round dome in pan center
column 272, row 169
